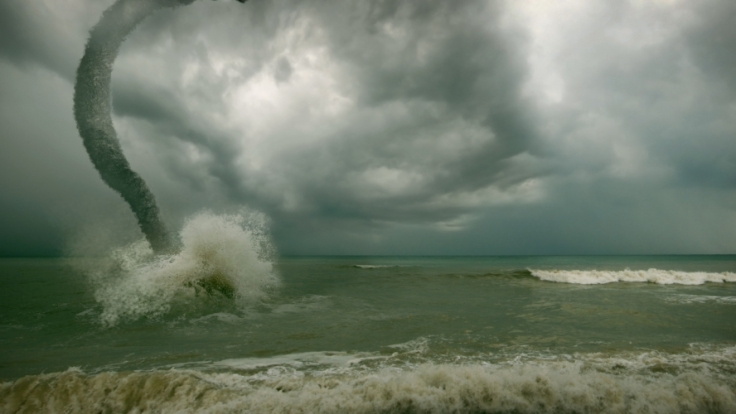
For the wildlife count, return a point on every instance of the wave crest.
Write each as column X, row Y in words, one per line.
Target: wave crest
column 661, row 277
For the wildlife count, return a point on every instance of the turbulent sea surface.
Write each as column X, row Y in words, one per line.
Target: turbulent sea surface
column 217, row 332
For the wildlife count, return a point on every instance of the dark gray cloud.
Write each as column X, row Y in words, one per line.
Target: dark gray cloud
column 649, row 88
column 362, row 126
column 45, row 33
column 711, row 38
column 411, row 75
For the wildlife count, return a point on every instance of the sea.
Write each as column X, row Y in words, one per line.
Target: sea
column 227, row 325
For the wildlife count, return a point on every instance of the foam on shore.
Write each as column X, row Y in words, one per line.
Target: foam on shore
column 699, row 381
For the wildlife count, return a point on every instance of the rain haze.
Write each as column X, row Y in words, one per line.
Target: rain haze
column 469, row 127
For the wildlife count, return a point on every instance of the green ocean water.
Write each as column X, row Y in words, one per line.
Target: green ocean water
column 378, row 334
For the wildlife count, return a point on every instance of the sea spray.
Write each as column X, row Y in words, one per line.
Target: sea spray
column 92, row 111
column 221, row 255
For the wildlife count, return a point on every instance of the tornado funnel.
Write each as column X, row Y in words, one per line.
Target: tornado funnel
column 93, row 106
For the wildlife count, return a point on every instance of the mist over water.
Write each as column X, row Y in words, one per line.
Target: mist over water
column 92, row 111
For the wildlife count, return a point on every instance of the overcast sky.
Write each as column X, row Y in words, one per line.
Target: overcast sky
column 387, row 127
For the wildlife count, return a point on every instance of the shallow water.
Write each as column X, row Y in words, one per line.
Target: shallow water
column 380, row 334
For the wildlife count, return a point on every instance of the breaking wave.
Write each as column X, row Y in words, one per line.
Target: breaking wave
column 661, row 277
column 222, row 255
column 650, row 382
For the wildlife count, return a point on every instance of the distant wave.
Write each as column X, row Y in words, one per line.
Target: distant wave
column 362, row 266
column 661, row 277
column 638, row 382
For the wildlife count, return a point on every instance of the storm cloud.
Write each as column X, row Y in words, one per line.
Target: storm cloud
column 387, row 127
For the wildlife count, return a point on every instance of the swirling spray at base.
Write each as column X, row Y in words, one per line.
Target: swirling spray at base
column 92, row 111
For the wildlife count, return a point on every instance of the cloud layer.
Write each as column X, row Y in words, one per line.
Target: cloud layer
column 471, row 127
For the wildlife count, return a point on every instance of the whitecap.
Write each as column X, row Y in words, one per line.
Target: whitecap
column 661, row 277
column 690, row 299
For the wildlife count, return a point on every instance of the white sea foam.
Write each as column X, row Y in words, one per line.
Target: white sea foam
column 689, row 299
column 220, row 254
column 303, row 305
column 661, row 277
column 362, row 266
column 415, row 346
column 301, row 360
column 694, row 381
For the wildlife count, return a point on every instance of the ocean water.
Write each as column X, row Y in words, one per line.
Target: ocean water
column 237, row 329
